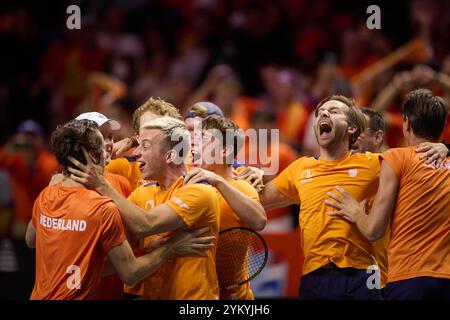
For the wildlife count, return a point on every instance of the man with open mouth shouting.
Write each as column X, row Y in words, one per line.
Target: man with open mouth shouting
column 339, row 262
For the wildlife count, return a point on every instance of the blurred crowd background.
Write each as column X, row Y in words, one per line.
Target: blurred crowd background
column 265, row 63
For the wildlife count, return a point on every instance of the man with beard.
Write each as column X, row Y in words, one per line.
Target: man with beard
column 337, row 257
column 415, row 199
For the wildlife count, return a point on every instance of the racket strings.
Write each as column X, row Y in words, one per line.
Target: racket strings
column 240, row 255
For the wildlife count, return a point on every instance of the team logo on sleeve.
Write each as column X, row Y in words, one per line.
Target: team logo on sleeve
column 179, row 202
column 353, row 172
column 306, row 175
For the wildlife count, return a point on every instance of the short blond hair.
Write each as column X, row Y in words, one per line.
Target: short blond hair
column 175, row 133
column 156, row 106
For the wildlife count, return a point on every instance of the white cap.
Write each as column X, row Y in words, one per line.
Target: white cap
column 98, row 118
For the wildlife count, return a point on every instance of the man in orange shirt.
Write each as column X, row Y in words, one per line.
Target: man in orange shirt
column 415, row 197
column 336, row 256
column 164, row 144
column 238, row 200
column 73, row 228
column 126, row 165
column 111, row 287
column 338, row 261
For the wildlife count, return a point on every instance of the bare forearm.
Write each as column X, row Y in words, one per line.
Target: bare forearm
column 250, row 211
column 371, row 226
column 108, row 268
column 272, row 199
column 134, row 217
column 147, row 264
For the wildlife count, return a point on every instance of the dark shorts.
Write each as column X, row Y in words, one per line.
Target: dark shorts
column 130, row 296
column 337, row 284
column 419, row 288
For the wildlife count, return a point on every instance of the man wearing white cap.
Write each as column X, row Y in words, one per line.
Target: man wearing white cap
column 106, row 126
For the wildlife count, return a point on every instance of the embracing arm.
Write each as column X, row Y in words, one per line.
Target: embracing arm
column 139, row 221
column 250, row 211
column 131, row 269
column 271, row 198
column 372, row 226
column 383, row 205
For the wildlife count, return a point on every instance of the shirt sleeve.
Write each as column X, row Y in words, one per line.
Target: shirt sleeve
column 285, row 181
column 245, row 187
column 395, row 158
column 192, row 202
column 113, row 232
column 125, row 186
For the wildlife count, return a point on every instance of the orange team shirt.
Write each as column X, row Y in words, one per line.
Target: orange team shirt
column 283, row 153
column 126, row 167
column 185, row 277
column 229, row 219
column 111, row 287
column 420, row 223
column 75, row 229
column 328, row 239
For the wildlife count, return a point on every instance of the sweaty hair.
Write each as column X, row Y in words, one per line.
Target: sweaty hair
column 230, row 133
column 68, row 139
column 426, row 112
column 157, row 106
column 354, row 115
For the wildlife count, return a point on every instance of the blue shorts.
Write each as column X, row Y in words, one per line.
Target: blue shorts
column 419, row 288
column 337, row 284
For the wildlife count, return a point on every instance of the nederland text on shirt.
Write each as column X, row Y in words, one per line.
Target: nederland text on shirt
column 62, row 224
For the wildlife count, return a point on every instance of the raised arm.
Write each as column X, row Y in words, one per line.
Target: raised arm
column 372, row 226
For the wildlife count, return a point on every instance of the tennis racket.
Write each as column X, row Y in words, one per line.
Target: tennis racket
column 241, row 255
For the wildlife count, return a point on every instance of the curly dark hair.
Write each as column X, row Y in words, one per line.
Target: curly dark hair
column 68, row 139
